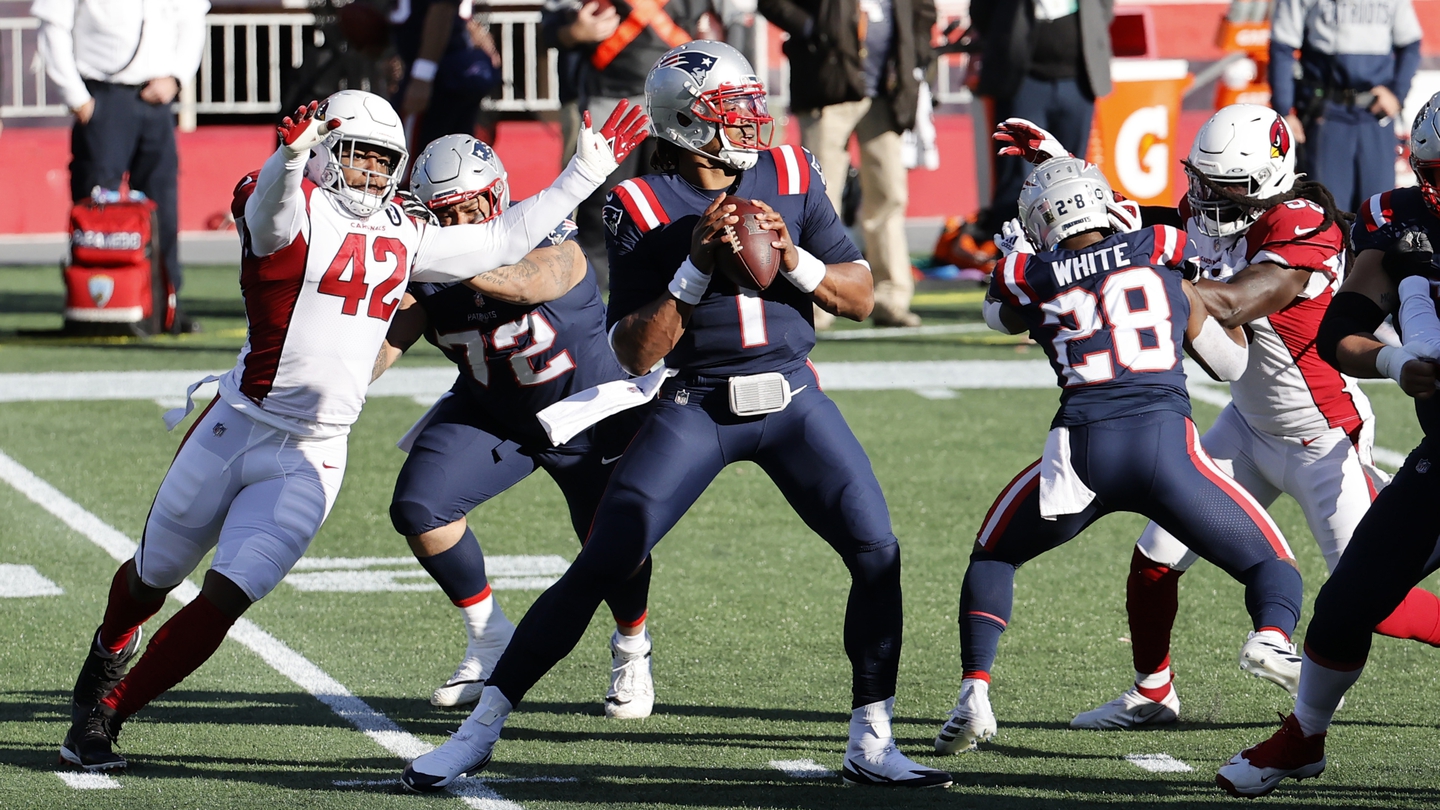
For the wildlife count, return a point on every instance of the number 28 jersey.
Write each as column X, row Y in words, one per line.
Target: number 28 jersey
column 1111, row 317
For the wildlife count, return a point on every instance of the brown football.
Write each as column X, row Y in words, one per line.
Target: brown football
column 748, row 259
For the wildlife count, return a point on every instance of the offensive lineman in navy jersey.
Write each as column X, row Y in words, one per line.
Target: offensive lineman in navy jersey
column 708, row 109
column 1112, row 312
column 543, row 342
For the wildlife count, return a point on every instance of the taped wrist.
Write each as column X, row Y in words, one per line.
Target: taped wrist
column 424, row 70
column 808, row 274
column 689, row 283
column 991, row 310
column 1215, row 348
column 1349, row 313
column 1391, row 361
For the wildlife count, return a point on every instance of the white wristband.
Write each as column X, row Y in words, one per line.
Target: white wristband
column 423, row 70
column 810, row 272
column 689, row 283
column 1391, row 360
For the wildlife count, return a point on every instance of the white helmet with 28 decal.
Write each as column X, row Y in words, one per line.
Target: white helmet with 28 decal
column 1062, row 197
column 1425, row 152
column 704, row 89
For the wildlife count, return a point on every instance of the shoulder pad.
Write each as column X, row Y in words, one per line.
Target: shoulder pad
column 641, row 204
column 792, row 169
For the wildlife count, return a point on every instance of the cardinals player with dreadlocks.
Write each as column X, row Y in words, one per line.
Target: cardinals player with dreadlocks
column 1394, row 547
column 1270, row 255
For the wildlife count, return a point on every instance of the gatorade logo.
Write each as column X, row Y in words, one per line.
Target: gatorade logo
column 1142, row 153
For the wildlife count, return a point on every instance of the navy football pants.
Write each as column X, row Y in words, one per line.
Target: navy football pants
column 812, row 456
column 1393, row 549
column 457, row 464
column 1151, row 464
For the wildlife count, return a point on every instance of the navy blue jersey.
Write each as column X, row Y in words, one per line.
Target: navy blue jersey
column 650, row 220
column 515, row 359
column 1112, row 319
column 1381, row 221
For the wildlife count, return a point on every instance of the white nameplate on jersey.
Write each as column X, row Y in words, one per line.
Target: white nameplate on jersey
column 572, row 415
column 758, row 394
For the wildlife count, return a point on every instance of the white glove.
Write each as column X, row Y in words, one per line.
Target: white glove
column 1012, row 239
column 599, row 152
column 1124, row 215
column 303, row 131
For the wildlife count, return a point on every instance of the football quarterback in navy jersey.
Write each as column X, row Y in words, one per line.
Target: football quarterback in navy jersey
column 744, row 391
column 1394, row 547
column 543, row 341
column 1112, row 312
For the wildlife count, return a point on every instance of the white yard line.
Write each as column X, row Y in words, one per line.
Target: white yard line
column 885, row 332
column 801, row 768
column 85, row 780
column 20, row 581
column 1158, row 763
column 294, row 666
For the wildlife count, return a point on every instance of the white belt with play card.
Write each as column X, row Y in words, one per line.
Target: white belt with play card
column 759, row 394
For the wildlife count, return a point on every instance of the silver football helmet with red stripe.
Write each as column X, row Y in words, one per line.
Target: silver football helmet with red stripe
column 704, row 89
column 1244, row 147
column 1062, row 197
column 456, row 168
column 1425, row 152
column 368, row 123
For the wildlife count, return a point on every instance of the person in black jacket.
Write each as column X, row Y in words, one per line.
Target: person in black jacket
column 856, row 68
column 1046, row 61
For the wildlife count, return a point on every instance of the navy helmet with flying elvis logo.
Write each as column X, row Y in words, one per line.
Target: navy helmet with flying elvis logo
column 703, row 89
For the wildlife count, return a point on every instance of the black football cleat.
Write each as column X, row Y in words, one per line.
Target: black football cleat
column 101, row 672
column 89, row 743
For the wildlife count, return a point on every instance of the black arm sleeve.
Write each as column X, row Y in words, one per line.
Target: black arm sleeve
column 1350, row 313
column 1151, row 215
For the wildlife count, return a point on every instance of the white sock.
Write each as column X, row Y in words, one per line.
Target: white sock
column 976, row 685
column 492, row 707
column 1321, row 689
column 631, row 646
column 1153, row 680
column 485, row 619
column 870, row 732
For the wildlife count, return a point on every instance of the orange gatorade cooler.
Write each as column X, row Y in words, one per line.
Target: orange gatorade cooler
column 1133, row 138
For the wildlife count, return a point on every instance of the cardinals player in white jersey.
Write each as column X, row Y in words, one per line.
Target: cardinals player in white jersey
column 327, row 252
column 1270, row 255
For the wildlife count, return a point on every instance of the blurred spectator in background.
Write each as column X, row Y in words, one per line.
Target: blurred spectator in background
column 1046, row 61
column 451, row 64
column 618, row 43
column 119, row 64
column 856, row 69
column 1357, row 59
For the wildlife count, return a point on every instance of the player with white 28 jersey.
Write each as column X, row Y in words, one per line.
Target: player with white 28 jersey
column 327, row 253
column 1270, row 255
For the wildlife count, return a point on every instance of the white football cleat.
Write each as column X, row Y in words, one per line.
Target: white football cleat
column 1288, row 754
column 1269, row 655
column 484, row 649
column 632, row 688
column 1131, row 710
column 889, row 768
column 467, row 751
column 971, row 722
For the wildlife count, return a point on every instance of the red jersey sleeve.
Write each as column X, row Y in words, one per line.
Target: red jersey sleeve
column 243, row 190
column 1284, row 235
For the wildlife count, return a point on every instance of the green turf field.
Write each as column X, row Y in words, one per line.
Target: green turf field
column 746, row 614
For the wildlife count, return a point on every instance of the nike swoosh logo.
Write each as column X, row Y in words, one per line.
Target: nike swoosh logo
column 608, row 461
column 1301, row 230
column 327, row 465
column 1308, row 442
